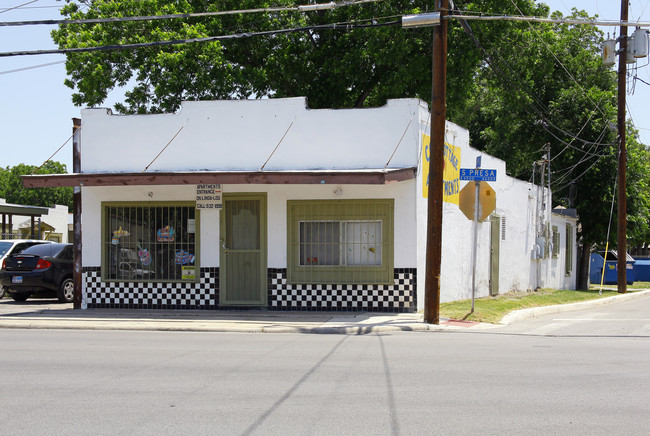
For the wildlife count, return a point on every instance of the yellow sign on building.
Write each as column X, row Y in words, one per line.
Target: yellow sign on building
column 450, row 174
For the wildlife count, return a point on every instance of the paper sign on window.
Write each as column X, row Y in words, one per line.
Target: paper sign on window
column 166, row 234
column 188, row 273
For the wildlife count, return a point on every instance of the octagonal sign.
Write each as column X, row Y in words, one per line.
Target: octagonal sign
column 487, row 200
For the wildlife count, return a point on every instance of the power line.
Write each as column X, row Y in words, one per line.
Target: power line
column 593, row 22
column 505, row 78
column 31, row 67
column 558, row 60
column 17, row 7
column 332, row 26
column 301, row 8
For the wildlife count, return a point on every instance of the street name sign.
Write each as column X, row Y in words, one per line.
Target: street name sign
column 478, row 174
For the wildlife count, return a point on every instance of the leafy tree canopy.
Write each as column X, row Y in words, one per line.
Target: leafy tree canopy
column 13, row 191
column 332, row 68
column 547, row 90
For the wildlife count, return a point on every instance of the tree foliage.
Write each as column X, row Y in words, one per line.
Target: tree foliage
column 332, row 68
column 13, row 191
column 547, row 89
column 516, row 86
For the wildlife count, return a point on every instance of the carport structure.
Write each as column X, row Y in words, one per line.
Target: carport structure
column 8, row 211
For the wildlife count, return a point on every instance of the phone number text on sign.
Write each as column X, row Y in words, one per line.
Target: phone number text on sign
column 208, row 197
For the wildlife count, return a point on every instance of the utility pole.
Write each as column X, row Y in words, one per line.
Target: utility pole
column 76, row 218
column 622, row 156
column 436, row 162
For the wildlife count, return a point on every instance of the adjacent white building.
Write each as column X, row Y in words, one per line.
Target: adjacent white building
column 267, row 203
column 31, row 222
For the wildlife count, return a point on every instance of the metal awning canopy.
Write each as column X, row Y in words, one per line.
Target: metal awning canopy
column 355, row 177
column 16, row 209
column 8, row 211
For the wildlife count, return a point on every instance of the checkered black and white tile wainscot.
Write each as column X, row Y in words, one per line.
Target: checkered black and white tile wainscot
column 151, row 295
column 397, row 297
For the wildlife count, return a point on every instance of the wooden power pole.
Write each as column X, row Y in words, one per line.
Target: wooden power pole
column 622, row 156
column 76, row 219
column 436, row 161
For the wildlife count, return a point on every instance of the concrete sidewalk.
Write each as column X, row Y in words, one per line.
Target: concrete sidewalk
column 45, row 314
column 42, row 314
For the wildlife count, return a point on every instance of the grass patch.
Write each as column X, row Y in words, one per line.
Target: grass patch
column 635, row 285
column 492, row 309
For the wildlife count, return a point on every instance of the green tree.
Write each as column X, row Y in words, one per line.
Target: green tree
column 332, row 68
column 12, row 189
column 548, row 88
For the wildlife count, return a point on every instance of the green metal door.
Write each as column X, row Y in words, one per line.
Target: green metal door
column 495, row 221
column 242, row 273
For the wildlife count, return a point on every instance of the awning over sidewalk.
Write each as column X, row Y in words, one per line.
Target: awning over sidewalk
column 355, row 177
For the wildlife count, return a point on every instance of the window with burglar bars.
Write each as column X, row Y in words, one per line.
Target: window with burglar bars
column 340, row 241
column 150, row 242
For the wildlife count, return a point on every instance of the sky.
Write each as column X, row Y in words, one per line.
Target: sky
column 36, row 107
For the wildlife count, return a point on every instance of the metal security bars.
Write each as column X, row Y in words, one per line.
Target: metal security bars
column 324, row 243
column 147, row 242
column 340, row 241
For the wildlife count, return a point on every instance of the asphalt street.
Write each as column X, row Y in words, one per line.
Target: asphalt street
column 629, row 318
column 587, row 376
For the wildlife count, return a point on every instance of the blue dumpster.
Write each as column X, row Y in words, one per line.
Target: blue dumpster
column 642, row 270
column 611, row 268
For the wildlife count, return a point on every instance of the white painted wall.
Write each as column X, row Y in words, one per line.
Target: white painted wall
column 242, row 134
column 277, row 196
column 516, row 201
column 556, row 276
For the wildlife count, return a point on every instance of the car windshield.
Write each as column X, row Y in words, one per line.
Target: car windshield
column 44, row 249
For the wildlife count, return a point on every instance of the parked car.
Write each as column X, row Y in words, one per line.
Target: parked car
column 13, row 246
column 39, row 269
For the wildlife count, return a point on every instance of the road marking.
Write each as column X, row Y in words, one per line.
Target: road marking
column 541, row 330
column 644, row 330
column 601, row 319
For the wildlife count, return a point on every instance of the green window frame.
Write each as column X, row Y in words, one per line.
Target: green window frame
column 568, row 254
column 340, row 241
column 556, row 242
column 150, row 241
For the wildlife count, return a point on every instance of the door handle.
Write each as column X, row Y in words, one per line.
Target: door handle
column 223, row 245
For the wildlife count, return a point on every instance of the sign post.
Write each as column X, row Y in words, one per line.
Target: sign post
column 479, row 176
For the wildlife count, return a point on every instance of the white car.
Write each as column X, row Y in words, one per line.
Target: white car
column 10, row 246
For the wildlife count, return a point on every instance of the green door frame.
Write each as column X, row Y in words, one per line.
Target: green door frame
column 225, row 252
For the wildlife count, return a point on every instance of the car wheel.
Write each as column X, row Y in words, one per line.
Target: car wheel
column 66, row 291
column 18, row 296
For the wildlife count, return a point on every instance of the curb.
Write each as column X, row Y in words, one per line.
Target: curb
column 534, row 312
column 194, row 326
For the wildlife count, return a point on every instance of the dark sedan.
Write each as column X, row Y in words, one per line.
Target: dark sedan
column 40, row 269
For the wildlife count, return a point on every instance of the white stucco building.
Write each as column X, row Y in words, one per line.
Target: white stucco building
column 267, row 203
